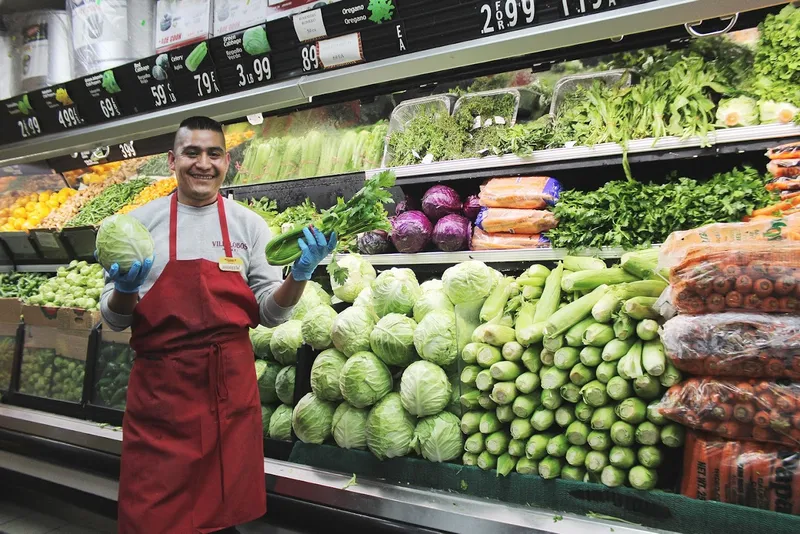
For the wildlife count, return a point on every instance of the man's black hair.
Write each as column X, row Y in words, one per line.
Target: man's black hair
column 201, row 123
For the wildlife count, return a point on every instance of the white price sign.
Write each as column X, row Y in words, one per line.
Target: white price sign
column 339, row 51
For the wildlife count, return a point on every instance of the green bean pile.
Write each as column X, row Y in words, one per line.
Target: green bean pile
column 20, row 285
column 109, row 202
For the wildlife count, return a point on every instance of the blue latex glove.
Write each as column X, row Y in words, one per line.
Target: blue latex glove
column 314, row 249
column 131, row 281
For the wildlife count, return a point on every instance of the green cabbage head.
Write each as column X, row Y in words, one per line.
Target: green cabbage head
column 284, row 384
column 312, row 419
column 438, row 437
column 267, row 372
column 434, row 299
column 266, row 414
column 260, row 337
column 739, row 111
column 325, row 373
column 364, row 379
column 392, row 339
column 360, row 274
column 395, row 291
column 123, row 240
column 313, row 296
column 286, row 341
column 390, row 428
column 351, row 330
column 424, row 389
column 280, row 424
column 350, row 426
column 364, row 299
column 435, row 338
column 434, row 284
column 468, row 280
column 255, row 42
column 317, row 326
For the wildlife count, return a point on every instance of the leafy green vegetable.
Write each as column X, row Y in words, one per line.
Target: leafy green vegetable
column 631, row 214
column 777, row 67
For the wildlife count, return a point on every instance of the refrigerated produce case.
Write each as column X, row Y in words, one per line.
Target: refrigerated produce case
column 304, row 125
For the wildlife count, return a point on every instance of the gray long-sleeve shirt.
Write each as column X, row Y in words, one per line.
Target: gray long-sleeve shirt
column 199, row 236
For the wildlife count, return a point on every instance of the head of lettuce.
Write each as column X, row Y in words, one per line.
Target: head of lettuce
column 123, row 240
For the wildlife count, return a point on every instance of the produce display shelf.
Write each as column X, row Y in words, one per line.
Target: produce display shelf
column 486, row 256
column 286, row 94
column 720, row 141
column 442, row 511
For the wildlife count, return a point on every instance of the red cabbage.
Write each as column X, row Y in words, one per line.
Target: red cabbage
column 411, row 231
column 471, row 207
column 452, row 233
column 407, row 204
column 439, row 201
column 374, row 242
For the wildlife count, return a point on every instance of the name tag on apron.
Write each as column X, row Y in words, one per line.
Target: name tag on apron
column 235, row 265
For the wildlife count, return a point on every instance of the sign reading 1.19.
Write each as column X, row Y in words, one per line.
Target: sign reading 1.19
column 586, row 6
column 500, row 15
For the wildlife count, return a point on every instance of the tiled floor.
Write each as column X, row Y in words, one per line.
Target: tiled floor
column 16, row 519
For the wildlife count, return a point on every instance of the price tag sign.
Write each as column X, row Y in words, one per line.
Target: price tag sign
column 20, row 121
column 504, row 15
column 81, row 241
column 309, row 26
column 242, row 63
column 574, row 8
column 352, row 15
column 151, row 81
column 340, row 51
column 50, row 245
column 309, row 58
column 100, row 97
column 193, row 72
column 57, row 109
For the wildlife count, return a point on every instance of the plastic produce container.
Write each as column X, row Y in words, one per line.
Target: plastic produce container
column 405, row 112
column 568, row 84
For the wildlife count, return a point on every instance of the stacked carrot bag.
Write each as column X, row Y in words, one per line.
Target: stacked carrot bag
column 736, row 289
column 514, row 213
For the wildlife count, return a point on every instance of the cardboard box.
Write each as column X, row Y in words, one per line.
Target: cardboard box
column 10, row 316
column 109, row 336
column 66, row 330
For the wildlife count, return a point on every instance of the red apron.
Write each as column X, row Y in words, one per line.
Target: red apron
column 192, row 450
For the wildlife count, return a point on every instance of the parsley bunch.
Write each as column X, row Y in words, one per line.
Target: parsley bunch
column 630, row 214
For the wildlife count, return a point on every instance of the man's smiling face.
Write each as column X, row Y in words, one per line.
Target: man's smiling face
column 200, row 162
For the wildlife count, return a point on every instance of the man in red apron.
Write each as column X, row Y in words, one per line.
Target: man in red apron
column 192, row 456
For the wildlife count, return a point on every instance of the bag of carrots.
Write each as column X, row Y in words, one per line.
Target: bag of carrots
column 754, row 276
column 515, row 221
column 483, row 241
column 762, row 226
column 523, row 192
column 755, row 409
column 744, row 345
column 744, row 473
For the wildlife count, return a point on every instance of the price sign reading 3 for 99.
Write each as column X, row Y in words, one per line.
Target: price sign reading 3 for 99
column 502, row 15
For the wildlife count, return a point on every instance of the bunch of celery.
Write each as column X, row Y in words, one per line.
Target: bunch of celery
column 567, row 371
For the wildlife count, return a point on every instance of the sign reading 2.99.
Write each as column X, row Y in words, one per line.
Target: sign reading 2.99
column 502, row 15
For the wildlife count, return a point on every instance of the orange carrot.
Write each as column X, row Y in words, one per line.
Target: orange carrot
column 761, row 419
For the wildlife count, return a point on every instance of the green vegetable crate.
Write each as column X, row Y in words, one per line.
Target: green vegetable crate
column 56, row 345
column 112, row 369
column 9, row 324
